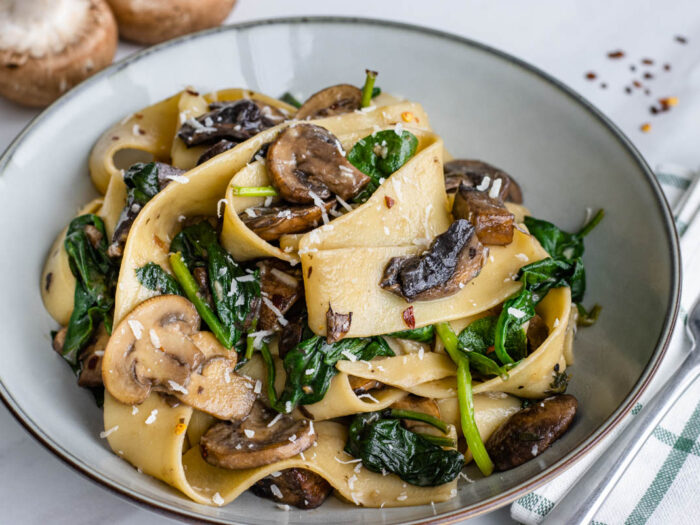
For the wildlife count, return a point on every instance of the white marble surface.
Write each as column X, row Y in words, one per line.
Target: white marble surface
column 566, row 39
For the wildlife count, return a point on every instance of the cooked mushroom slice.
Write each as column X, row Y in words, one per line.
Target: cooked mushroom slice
column 531, row 431
column 474, row 173
column 281, row 287
column 306, row 164
column 234, row 121
column 254, row 441
column 157, row 347
column 453, row 259
column 491, row 219
column 90, row 375
column 361, row 385
column 160, row 20
column 334, row 100
column 166, row 172
column 537, row 332
column 49, row 46
column 294, row 486
column 293, row 331
column 271, row 223
column 216, row 149
column 417, row 404
column 337, row 325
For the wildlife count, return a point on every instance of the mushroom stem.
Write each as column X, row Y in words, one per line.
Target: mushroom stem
column 254, row 191
column 368, row 87
column 190, row 287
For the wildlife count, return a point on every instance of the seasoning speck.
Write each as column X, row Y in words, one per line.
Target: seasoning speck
column 667, row 67
column 616, row 54
column 648, row 75
column 646, row 127
column 681, row 39
column 647, row 61
column 591, row 75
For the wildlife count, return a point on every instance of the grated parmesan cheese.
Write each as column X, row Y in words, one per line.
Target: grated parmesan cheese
column 518, row 314
column 280, row 317
column 152, row 416
column 136, row 328
column 106, row 433
column 177, row 387
column 217, row 499
column 155, row 340
column 249, row 433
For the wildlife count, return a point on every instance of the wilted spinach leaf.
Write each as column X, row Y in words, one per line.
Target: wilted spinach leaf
column 155, row 278
column 564, row 267
column 310, row 366
column 142, row 183
column 423, row 335
column 385, row 446
column 96, row 275
column 480, row 337
column 379, row 155
column 235, row 291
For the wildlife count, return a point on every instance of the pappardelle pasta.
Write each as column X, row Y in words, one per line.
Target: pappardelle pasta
column 306, row 299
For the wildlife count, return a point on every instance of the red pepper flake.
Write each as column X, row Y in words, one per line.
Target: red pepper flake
column 192, row 92
column 647, row 61
column 490, row 349
column 408, row 318
column 616, row 54
column 669, row 101
column 115, row 137
column 681, row 39
column 648, row 75
column 636, row 83
column 389, row 201
column 646, row 127
column 138, row 115
column 591, row 75
column 667, row 67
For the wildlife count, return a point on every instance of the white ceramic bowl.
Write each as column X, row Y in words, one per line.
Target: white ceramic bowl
column 486, row 105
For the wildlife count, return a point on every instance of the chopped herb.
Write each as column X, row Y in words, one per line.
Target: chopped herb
column 588, row 317
column 290, row 99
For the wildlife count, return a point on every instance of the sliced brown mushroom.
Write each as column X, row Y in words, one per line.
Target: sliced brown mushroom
column 262, row 438
column 531, row 431
column 491, row 219
column 271, row 223
column 362, row 385
column 299, row 487
column 157, row 347
column 334, row 100
column 337, row 325
column 46, row 48
column 453, row 259
column 281, row 287
column 537, row 332
column 480, row 175
column 217, row 149
column 90, row 359
column 234, row 121
column 306, row 163
column 156, row 21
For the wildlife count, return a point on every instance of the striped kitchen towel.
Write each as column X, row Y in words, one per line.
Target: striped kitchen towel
column 663, row 482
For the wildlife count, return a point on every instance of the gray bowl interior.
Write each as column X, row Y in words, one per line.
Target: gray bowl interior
column 485, row 105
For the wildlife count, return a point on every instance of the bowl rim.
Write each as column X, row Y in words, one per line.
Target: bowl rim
column 483, row 506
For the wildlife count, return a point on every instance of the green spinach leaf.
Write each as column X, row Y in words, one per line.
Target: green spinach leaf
column 310, row 366
column 235, row 291
column 386, row 446
column 423, row 335
column 142, row 183
column 96, row 274
column 379, row 155
column 153, row 277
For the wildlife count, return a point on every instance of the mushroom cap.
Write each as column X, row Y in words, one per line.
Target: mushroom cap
column 334, row 100
column 81, row 40
column 306, row 163
column 132, row 364
column 453, row 259
column 472, row 173
column 254, row 441
column 270, row 223
column 159, row 20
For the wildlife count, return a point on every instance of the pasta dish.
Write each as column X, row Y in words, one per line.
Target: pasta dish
column 311, row 299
